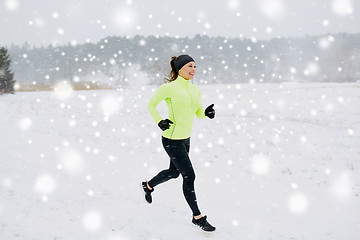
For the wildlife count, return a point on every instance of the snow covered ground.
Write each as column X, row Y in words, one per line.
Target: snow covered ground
column 279, row 161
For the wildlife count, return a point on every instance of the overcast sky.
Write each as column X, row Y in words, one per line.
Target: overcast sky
column 41, row 22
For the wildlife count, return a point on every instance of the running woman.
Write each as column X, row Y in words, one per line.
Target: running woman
column 184, row 102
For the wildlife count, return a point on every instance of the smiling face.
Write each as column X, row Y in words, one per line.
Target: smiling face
column 188, row 71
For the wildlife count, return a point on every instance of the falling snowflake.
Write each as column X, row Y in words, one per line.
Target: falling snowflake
column 324, row 43
column 110, row 104
column 60, row 31
column 312, row 69
column 25, row 123
column 44, row 184
column 11, row 5
column 72, row 161
column 124, row 18
column 298, row 203
column 233, row 4
column 92, row 221
column 342, row 7
column 343, row 186
column 260, row 164
column 273, row 9
column 55, row 15
column 63, row 90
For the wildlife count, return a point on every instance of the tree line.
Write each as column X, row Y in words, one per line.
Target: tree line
column 121, row 60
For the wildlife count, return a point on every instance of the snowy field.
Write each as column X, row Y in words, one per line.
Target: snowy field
column 279, row 161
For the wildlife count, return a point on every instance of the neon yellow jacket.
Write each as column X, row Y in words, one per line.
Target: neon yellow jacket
column 184, row 101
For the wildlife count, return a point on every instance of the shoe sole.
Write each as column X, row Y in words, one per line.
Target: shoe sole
column 205, row 233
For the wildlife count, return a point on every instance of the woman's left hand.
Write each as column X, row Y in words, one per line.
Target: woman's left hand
column 210, row 111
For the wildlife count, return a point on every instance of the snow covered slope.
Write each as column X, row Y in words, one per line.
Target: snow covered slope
column 277, row 162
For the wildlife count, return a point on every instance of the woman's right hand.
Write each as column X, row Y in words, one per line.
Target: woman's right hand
column 165, row 124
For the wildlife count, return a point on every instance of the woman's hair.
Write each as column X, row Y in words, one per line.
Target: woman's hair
column 173, row 73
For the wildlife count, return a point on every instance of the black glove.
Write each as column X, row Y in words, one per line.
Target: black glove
column 210, row 111
column 165, row 124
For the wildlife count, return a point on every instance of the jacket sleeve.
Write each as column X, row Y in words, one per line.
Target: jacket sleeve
column 160, row 94
column 200, row 113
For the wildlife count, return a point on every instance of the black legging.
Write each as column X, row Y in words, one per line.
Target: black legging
column 178, row 151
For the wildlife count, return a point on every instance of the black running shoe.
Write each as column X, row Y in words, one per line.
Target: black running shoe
column 147, row 192
column 203, row 224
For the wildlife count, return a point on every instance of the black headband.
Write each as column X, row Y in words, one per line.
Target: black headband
column 181, row 60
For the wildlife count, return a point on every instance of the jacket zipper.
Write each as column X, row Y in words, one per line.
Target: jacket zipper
column 187, row 89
